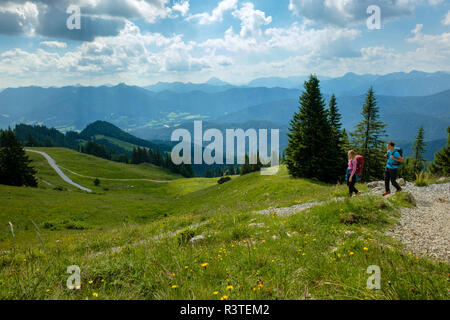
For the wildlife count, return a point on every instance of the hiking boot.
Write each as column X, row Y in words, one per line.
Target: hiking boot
column 386, row 193
column 399, row 191
column 357, row 194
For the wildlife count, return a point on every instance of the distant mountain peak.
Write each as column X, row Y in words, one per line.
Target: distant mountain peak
column 216, row 82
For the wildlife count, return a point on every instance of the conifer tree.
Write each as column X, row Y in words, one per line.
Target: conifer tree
column 134, row 156
column 309, row 152
column 441, row 162
column 31, row 141
column 229, row 170
column 159, row 158
column 209, row 173
column 151, row 156
column 419, row 149
column 245, row 167
column 369, row 139
column 14, row 163
column 338, row 140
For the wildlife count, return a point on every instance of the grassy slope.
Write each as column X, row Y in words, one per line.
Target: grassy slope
column 314, row 261
column 92, row 166
column 125, row 145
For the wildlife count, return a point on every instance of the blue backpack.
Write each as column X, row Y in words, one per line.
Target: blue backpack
column 400, row 151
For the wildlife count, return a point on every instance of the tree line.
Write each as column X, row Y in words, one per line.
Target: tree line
column 160, row 159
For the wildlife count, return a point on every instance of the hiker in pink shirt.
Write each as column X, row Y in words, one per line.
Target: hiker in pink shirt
column 351, row 176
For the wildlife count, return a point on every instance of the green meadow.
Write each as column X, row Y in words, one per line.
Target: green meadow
column 131, row 238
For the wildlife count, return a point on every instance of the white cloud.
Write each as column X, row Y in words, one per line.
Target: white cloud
column 100, row 17
column 251, row 20
column 54, row 44
column 216, row 15
column 446, row 20
column 131, row 54
column 18, row 17
column 182, row 7
column 431, row 54
column 435, row 2
column 250, row 37
column 349, row 12
column 324, row 42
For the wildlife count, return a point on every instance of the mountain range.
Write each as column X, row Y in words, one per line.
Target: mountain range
column 404, row 115
column 411, row 100
column 414, row 83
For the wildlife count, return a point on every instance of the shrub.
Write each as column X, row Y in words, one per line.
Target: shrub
column 421, row 180
column 223, row 180
column 96, row 182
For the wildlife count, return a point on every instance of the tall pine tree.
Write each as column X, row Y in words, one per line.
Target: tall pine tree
column 441, row 162
column 309, row 153
column 338, row 139
column 368, row 139
column 246, row 167
column 419, row 150
column 415, row 164
column 14, row 163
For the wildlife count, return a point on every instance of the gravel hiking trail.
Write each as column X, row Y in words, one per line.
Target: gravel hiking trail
column 425, row 228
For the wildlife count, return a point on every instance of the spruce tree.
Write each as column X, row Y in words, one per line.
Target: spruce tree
column 441, row 162
column 257, row 166
column 338, row 140
column 369, row 139
column 229, row 170
column 14, row 163
column 31, row 141
column 246, row 167
column 135, row 156
column 209, row 173
column 419, row 150
column 309, row 152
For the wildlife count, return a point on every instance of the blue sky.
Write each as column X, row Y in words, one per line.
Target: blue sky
column 141, row 42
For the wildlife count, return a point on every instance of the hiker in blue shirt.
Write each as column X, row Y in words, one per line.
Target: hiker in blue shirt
column 394, row 161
